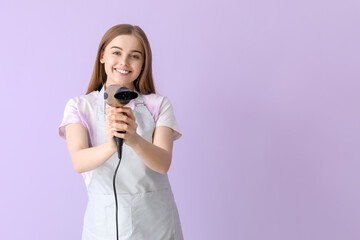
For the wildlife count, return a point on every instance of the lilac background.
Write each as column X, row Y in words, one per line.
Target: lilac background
column 270, row 146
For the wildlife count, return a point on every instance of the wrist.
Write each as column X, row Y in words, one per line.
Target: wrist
column 112, row 146
column 135, row 141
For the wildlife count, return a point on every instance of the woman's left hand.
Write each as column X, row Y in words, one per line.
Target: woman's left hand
column 123, row 119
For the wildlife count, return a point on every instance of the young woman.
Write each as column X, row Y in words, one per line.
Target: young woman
column 147, row 209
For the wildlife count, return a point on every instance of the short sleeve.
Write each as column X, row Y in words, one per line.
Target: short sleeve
column 71, row 115
column 167, row 118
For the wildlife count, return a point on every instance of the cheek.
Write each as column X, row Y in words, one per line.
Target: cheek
column 139, row 65
column 138, row 70
column 107, row 69
column 109, row 64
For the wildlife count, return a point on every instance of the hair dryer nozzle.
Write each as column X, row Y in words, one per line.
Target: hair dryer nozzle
column 123, row 95
column 117, row 96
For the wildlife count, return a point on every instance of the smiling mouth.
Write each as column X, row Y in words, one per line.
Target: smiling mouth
column 122, row 71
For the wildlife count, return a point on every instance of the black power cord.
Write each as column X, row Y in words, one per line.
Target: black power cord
column 119, row 143
column 122, row 95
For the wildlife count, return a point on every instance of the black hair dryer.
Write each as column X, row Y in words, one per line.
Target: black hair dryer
column 117, row 96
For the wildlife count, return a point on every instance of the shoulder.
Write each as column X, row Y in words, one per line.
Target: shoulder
column 163, row 113
column 80, row 109
column 155, row 103
column 83, row 101
column 153, row 99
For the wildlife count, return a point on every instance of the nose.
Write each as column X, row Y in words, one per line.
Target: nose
column 124, row 60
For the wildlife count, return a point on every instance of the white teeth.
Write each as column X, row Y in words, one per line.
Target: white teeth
column 122, row 71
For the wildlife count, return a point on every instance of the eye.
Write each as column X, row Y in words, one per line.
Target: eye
column 116, row 53
column 135, row 56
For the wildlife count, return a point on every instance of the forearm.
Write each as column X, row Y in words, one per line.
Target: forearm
column 90, row 158
column 154, row 157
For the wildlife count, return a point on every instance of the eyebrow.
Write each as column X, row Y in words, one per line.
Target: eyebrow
column 122, row 49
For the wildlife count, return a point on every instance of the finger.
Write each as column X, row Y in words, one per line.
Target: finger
column 119, row 117
column 120, row 126
column 109, row 110
column 132, row 125
column 119, row 135
column 127, row 111
column 131, row 115
column 122, row 109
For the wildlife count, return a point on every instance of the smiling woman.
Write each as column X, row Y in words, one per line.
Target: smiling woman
column 121, row 34
column 123, row 61
column 147, row 209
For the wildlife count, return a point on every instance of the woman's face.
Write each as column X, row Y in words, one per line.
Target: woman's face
column 123, row 59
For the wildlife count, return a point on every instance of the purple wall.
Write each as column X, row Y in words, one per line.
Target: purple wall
column 270, row 146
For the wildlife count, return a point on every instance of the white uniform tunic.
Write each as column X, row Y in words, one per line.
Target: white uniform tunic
column 147, row 209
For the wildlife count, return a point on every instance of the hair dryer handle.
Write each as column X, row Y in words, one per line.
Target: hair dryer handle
column 119, row 144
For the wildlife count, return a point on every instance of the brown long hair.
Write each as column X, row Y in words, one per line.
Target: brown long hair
column 144, row 83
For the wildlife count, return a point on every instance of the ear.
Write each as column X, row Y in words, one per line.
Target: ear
column 102, row 57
